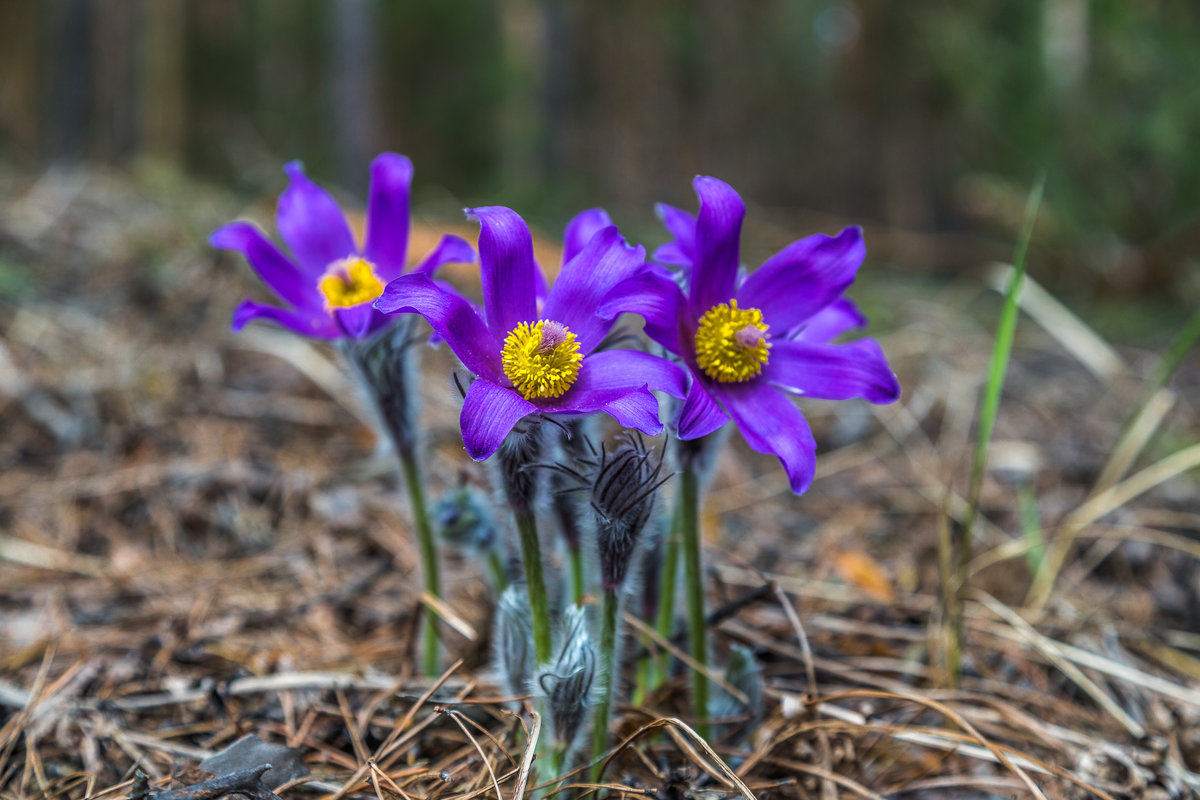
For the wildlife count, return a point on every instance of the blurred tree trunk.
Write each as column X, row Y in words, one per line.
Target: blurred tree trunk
column 633, row 113
column 523, row 55
column 352, row 84
column 161, row 82
column 19, row 123
column 67, row 82
column 110, row 65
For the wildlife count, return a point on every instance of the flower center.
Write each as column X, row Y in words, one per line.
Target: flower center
column 731, row 343
column 350, row 282
column 541, row 359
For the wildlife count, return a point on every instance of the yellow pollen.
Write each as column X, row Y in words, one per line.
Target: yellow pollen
column 541, row 359
column 731, row 343
column 350, row 282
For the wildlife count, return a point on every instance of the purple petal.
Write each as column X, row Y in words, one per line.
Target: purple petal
column 718, row 242
column 450, row 250
column 673, row 254
column 833, row 371
column 318, row 326
column 451, row 316
column 681, row 251
column 700, row 415
column 388, row 215
column 831, row 322
column 803, row 278
column 540, row 288
column 631, row 408
column 580, row 230
column 771, row 423
column 311, row 223
column 276, row 271
column 630, row 369
column 586, row 280
column 358, row 321
column 489, row 412
column 657, row 299
column 507, row 269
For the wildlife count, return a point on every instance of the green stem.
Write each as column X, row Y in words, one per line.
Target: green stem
column 429, row 560
column 496, row 568
column 535, row 585
column 608, row 678
column 689, row 527
column 664, row 622
column 575, row 557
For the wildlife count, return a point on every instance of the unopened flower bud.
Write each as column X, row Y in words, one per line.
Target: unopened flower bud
column 567, row 682
column 575, row 447
column 383, row 365
column 512, row 640
column 624, row 486
column 744, row 673
column 516, row 463
column 463, row 519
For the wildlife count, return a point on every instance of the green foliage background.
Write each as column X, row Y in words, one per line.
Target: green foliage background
column 929, row 117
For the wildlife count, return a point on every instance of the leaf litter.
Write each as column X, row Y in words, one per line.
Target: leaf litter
column 202, row 543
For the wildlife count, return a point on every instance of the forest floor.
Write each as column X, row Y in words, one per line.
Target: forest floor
column 202, row 540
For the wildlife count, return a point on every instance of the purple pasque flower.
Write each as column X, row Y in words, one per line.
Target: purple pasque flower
column 330, row 282
column 531, row 355
column 749, row 343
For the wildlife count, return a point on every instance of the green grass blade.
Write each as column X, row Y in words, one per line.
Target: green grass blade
column 988, row 409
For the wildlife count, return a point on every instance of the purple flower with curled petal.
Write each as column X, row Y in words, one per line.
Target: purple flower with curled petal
column 329, row 283
column 750, row 343
column 531, row 355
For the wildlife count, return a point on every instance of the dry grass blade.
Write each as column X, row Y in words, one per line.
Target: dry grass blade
column 658, row 639
column 450, row 616
column 1096, row 507
column 378, row 775
column 453, row 715
column 1050, row 650
column 1068, row 329
column 959, row 720
column 531, row 744
column 712, row 763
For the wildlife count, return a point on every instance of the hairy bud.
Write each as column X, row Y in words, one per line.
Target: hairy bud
column 624, row 486
column 744, row 673
column 567, row 682
column 383, row 365
column 512, row 640
column 575, row 447
column 515, row 464
column 464, row 520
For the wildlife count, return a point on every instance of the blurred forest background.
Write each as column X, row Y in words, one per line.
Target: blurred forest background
column 926, row 122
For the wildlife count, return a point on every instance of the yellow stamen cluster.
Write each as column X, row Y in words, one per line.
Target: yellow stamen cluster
column 350, row 282
column 731, row 343
column 541, row 359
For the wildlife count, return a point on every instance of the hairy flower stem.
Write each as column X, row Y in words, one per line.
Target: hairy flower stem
column 575, row 559
column 495, row 565
column 689, row 526
column 535, row 584
column 609, row 666
column 384, row 368
column 429, row 560
column 648, row 675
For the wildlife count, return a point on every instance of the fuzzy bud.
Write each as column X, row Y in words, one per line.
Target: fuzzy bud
column 512, row 640
column 515, row 464
column 744, row 673
column 463, row 519
column 567, row 682
column 383, row 365
column 575, row 447
column 624, row 486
